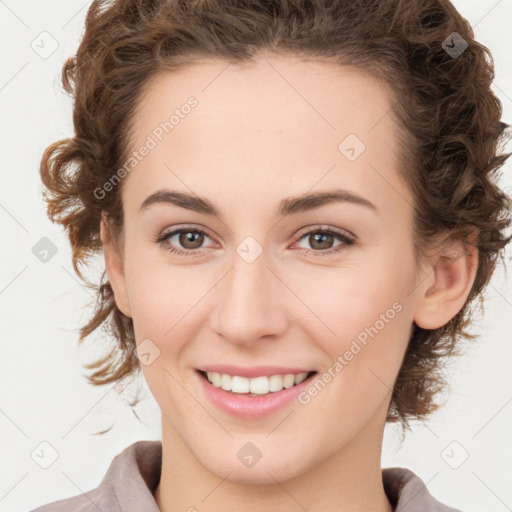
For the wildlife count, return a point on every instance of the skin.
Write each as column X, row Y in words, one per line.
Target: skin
column 256, row 137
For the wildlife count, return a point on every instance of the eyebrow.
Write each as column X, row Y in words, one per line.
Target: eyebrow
column 288, row 206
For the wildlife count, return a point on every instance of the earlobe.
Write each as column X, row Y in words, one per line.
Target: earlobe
column 114, row 267
column 452, row 274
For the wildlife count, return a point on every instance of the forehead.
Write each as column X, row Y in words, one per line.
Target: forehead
column 276, row 91
column 278, row 123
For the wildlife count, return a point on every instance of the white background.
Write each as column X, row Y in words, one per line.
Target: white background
column 44, row 396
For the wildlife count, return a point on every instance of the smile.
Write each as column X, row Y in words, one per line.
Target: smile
column 241, row 402
column 255, row 386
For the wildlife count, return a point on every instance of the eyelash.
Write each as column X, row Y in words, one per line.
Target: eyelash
column 347, row 241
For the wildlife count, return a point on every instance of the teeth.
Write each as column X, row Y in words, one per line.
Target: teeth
column 257, row 385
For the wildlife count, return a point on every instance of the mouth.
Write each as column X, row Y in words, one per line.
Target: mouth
column 253, row 398
column 256, row 386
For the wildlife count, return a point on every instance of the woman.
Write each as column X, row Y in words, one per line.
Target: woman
column 297, row 206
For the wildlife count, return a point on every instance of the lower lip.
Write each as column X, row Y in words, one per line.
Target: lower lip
column 252, row 407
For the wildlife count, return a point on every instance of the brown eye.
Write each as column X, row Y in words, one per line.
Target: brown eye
column 321, row 241
column 186, row 241
column 191, row 239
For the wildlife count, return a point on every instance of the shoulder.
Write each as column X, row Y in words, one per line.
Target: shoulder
column 408, row 493
column 87, row 502
column 128, row 484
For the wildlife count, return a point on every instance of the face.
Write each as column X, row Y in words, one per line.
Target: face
column 261, row 282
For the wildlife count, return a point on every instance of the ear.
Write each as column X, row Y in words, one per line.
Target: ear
column 451, row 270
column 114, row 266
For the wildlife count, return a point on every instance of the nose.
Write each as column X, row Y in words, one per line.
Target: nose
column 250, row 302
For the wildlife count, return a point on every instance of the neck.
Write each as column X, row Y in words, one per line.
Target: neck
column 349, row 480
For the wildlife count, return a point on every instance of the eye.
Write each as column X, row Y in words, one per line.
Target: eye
column 190, row 238
column 321, row 240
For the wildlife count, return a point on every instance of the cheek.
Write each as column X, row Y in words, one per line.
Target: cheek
column 160, row 293
column 364, row 358
column 168, row 311
column 344, row 301
column 362, row 313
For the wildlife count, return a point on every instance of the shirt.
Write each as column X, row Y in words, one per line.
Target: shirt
column 134, row 474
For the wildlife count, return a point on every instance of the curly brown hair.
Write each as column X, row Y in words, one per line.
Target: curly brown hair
column 446, row 114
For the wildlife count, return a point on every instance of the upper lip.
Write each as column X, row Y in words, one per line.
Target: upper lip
column 253, row 371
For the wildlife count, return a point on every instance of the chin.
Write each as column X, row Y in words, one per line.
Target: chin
column 262, row 475
column 275, row 466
